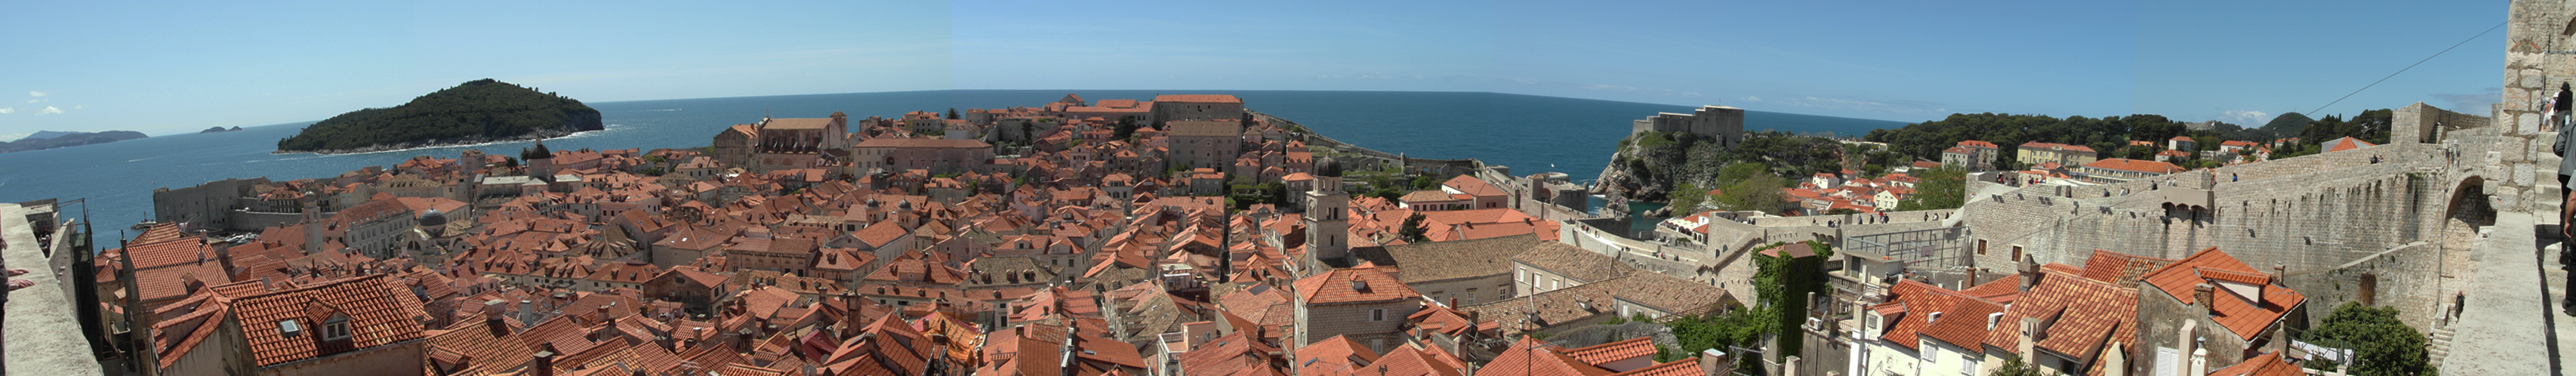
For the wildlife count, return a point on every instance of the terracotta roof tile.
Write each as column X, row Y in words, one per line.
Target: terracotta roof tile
column 1346, row 285
column 1684, row 367
column 1330, row 352
column 375, row 316
column 2246, row 317
column 2268, row 364
column 1614, row 351
column 1529, row 357
column 1436, row 261
column 2115, row 267
column 2079, row 315
column 1571, row 262
column 1194, row 98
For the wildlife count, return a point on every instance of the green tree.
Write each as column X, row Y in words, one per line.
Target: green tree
column 1125, row 129
column 1939, row 188
column 1743, row 186
column 952, row 113
column 1782, row 286
column 1735, row 327
column 1412, row 231
column 2382, row 344
column 2013, row 366
column 1687, row 198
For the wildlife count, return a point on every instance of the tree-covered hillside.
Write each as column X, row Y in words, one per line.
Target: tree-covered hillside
column 480, row 110
column 2110, row 136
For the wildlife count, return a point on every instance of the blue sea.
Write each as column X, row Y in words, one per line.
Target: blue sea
column 1531, row 134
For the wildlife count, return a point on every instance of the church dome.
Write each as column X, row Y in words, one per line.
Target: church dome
column 432, row 218
column 1327, row 167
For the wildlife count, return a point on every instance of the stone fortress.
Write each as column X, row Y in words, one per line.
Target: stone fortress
column 1725, row 124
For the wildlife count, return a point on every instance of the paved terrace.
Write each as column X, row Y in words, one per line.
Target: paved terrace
column 40, row 335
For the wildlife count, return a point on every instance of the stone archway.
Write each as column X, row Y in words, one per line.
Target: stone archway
column 2468, row 209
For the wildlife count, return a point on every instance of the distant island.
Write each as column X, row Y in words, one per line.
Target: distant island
column 50, row 139
column 477, row 111
column 220, row 130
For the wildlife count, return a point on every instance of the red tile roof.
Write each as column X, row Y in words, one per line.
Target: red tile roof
column 1614, row 351
column 1961, row 321
column 1329, row 353
column 1344, row 286
column 1196, row 98
column 2347, row 143
column 1684, row 367
column 1529, row 357
column 2055, row 146
column 1976, row 143
column 2115, row 267
column 1472, row 186
column 376, row 318
column 2086, row 315
column 1409, row 361
column 2245, row 316
column 2268, row 364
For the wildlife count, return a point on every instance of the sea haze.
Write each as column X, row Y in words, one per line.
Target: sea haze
column 1529, row 133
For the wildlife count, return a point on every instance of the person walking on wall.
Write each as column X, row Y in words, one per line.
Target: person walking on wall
column 2556, row 115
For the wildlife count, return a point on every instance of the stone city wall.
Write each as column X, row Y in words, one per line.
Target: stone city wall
column 2307, row 214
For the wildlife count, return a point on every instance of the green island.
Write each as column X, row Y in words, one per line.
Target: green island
column 476, row 111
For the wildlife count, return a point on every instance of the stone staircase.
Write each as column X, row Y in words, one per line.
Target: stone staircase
column 2438, row 347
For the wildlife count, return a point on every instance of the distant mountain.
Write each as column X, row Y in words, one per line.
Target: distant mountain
column 2288, row 123
column 52, row 139
column 48, row 134
column 474, row 112
column 219, row 130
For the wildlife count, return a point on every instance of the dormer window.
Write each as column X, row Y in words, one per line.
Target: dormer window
column 337, row 328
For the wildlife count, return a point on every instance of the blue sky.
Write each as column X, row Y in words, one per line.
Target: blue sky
column 174, row 68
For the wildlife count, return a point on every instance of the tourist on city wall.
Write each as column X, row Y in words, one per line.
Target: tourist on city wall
column 2557, row 107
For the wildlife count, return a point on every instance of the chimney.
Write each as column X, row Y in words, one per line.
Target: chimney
column 2029, row 274
column 545, row 364
column 603, row 313
column 527, row 312
column 2202, row 294
column 2278, row 272
column 2030, row 329
column 1715, row 362
column 492, row 310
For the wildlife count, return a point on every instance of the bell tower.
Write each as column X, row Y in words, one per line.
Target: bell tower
column 1327, row 225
